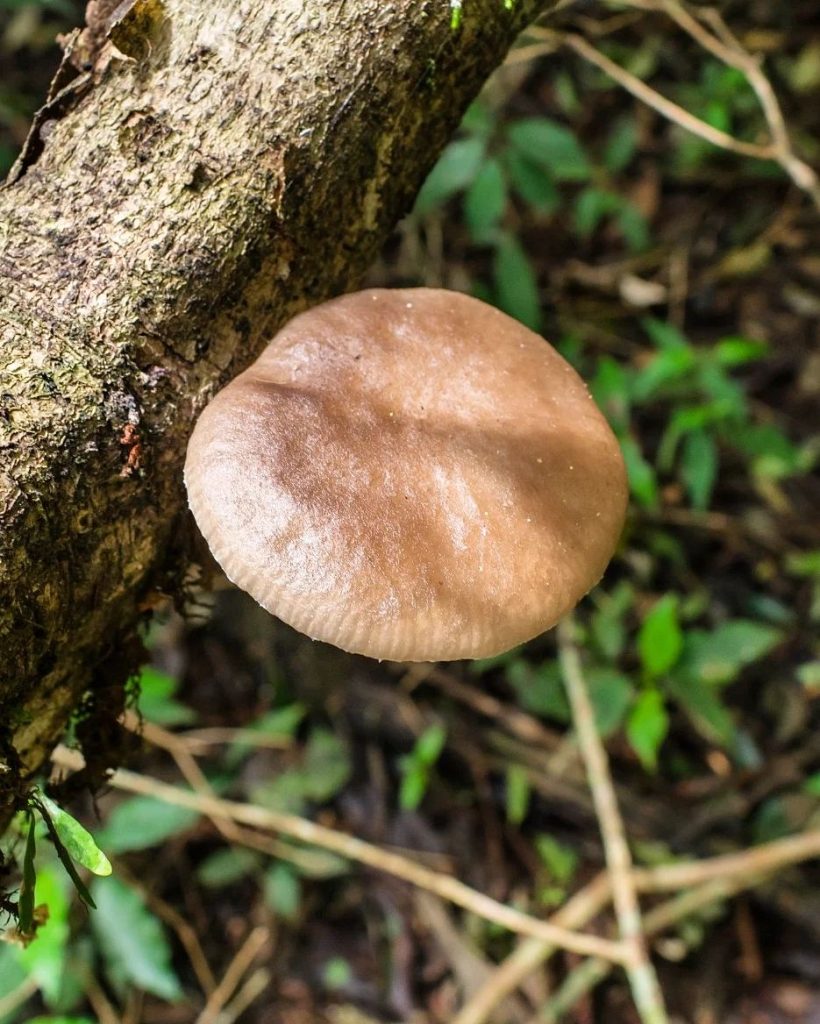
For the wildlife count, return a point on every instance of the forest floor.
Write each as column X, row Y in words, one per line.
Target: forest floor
column 683, row 281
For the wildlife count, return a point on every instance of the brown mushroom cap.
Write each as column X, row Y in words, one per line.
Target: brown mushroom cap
column 409, row 474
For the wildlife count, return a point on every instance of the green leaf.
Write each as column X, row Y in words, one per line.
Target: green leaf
column 551, row 145
column 808, row 674
column 611, row 694
column 326, row 766
column 705, row 709
column 482, row 665
column 665, row 335
column 647, row 726
column 660, row 640
column 717, row 657
column 62, row 853
column 804, row 563
column 417, row 764
column 45, row 958
column 539, row 688
column 683, row 421
column 517, row 792
column 773, row 454
column 668, row 367
column 133, row 941
column 60, row 1020
column 516, row 283
column 415, row 777
column 722, row 391
column 156, row 698
column 337, row 973
column 142, row 822
column 311, row 862
column 737, row 351
column 478, row 120
column 283, row 891
column 280, row 722
column 642, row 481
column 559, row 859
column 12, row 973
column 611, row 388
column 699, row 464
column 532, row 183
column 812, row 785
column 485, row 201
column 78, row 841
column 607, row 621
column 621, row 145
column 227, row 866
column 771, row 821
column 457, row 167
column 429, row 745
column 592, row 205
column 633, row 226
column 25, row 906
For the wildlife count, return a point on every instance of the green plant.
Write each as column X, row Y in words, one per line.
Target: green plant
column 538, row 166
column 73, row 844
column 417, row 766
column 709, row 411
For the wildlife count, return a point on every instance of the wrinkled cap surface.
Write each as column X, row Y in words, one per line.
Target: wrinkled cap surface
column 411, row 475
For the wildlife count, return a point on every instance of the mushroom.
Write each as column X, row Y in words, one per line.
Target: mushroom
column 409, row 475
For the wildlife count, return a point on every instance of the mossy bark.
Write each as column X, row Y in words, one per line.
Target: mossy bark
column 207, row 171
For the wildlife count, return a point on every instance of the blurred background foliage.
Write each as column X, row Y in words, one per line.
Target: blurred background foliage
column 682, row 282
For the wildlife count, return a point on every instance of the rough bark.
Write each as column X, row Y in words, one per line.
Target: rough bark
column 213, row 168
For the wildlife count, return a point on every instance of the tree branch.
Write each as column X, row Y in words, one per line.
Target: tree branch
column 213, row 169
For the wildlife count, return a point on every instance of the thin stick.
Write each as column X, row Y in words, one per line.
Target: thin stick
column 531, row 953
column 642, row 978
column 237, row 969
column 671, row 111
column 206, row 738
column 730, row 51
column 364, row 853
column 519, row 723
column 763, row 859
column 18, row 996
column 592, row 972
column 745, row 868
column 251, row 990
column 178, row 748
column 106, row 1014
column 778, row 149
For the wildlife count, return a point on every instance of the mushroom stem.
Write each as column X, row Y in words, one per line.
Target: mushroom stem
column 642, row 977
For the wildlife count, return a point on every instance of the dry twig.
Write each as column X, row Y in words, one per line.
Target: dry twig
column 744, row 870
column 727, row 49
column 756, row 861
column 253, row 987
column 592, row 972
column 531, row 953
column 642, row 978
column 236, row 971
column 360, row 851
column 179, row 749
column 18, row 997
